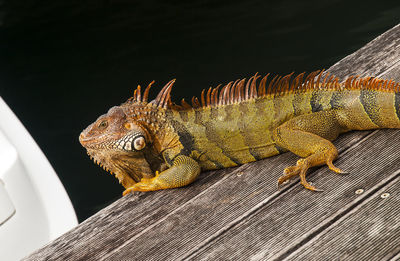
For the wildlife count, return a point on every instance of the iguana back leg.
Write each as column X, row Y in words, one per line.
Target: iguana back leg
column 184, row 170
column 308, row 136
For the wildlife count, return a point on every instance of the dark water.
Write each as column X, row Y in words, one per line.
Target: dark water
column 63, row 63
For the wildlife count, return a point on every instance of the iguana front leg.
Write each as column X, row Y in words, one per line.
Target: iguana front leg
column 309, row 136
column 184, row 170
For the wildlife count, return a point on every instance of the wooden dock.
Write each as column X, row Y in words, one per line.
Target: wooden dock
column 239, row 214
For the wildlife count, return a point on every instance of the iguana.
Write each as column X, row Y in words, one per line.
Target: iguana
column 159, row 144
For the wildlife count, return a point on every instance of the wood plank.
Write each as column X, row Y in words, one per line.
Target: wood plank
column 213, row 212
column 374, row 59
column 131, row 217
column 370, row 231
column 281, row 226
column 183, row 219
column 122, row 220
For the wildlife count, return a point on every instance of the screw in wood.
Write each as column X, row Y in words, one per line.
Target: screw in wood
column 385, row 195
column 359, row 191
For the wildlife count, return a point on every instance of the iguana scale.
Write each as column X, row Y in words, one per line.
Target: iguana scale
column 159, row 145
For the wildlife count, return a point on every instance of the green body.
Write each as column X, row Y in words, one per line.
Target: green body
column 235, row 134
column 244, row 124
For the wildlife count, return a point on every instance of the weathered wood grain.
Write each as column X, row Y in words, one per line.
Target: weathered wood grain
column 121, row 221
column 285, row 224
column 239, row 212
column 371, row 228
column 374, row 59
column 131, row 218
column 224, row 205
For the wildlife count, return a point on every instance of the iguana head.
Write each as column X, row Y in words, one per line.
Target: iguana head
column 124, row 140
column 116, row 143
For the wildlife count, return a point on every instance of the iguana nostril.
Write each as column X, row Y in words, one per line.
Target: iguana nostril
column 82, row 138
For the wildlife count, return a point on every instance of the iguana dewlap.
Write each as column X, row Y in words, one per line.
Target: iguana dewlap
column 159, row 145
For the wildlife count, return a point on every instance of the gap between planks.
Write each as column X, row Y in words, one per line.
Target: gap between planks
column 275, row 196
column 346, row 211
column 396, row 257
column 171, row 213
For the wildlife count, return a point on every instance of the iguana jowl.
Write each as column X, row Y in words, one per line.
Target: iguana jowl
column 159, row 145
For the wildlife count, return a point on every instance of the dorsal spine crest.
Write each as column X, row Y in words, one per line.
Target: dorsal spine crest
column 240, row 90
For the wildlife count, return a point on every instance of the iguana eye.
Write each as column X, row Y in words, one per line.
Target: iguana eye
column 103, row 124
column 139, row 143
